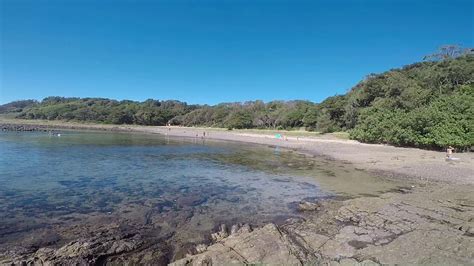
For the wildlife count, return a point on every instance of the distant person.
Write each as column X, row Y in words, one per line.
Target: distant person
column 449, row 152
column 204, row 133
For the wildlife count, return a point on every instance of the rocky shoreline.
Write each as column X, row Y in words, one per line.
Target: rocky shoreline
column 429, row 224
column 25, row 127
column 423, row 226
column 19, row 127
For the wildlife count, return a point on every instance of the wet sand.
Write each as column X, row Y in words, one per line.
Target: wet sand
column 429, row 222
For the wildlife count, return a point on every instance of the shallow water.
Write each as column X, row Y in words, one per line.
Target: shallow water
column 184, row 186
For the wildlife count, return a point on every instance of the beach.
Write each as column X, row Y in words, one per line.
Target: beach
column 428, row 221
column 392, row 161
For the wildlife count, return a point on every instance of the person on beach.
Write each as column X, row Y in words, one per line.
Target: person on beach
column 204, row 134
column 449, row 152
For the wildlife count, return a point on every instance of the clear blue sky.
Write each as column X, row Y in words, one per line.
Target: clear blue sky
column 216, row 51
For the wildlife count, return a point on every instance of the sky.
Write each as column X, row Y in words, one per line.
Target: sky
column 206, row 52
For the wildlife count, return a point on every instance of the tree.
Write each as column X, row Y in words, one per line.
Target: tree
column 239, row 120
column 426, row 104
column 449, row 52
column 324, row 124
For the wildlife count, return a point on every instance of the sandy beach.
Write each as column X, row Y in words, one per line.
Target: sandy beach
column 428, row 222
column 393, row 161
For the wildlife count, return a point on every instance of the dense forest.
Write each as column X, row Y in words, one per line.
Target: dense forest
column 428, row 104
column 149, row 112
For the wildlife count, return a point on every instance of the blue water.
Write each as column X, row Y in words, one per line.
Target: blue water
column 54, row 180
column 175, row 188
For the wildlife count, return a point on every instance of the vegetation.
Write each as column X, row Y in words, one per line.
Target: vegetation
column 255, row 114
column 428, row 104
column 149, row 112
column 445, row 121
column 16, row 106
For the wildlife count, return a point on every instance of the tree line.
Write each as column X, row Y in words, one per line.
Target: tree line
column 149, row 112
column 429, row 104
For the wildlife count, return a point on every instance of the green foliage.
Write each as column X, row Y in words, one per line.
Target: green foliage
column 150, row 112
column 448, row 120
column 239, row 120
column 324, row 123
column 255, row 114
column 427, row 104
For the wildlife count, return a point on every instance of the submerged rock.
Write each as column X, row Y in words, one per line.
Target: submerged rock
column 308, row 206
column 190, row 200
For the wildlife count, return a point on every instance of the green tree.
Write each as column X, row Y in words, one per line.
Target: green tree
column 239, row 120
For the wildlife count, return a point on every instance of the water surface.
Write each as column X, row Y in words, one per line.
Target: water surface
column 180, row 187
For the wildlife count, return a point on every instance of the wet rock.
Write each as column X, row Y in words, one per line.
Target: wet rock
column 221, row 234
column 44, row 238
column 308, row 206
column 189, row 201
column 91, row 251
column 246, row 228
column 394, row 228
column 201, row 248
column 234, row 229
column 16, row 127
column 427, row 226
column 238, row 229
column 81, row 252
column 266, row 245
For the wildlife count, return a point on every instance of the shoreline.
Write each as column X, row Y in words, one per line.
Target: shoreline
column 429, row 223
column 386, row 160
